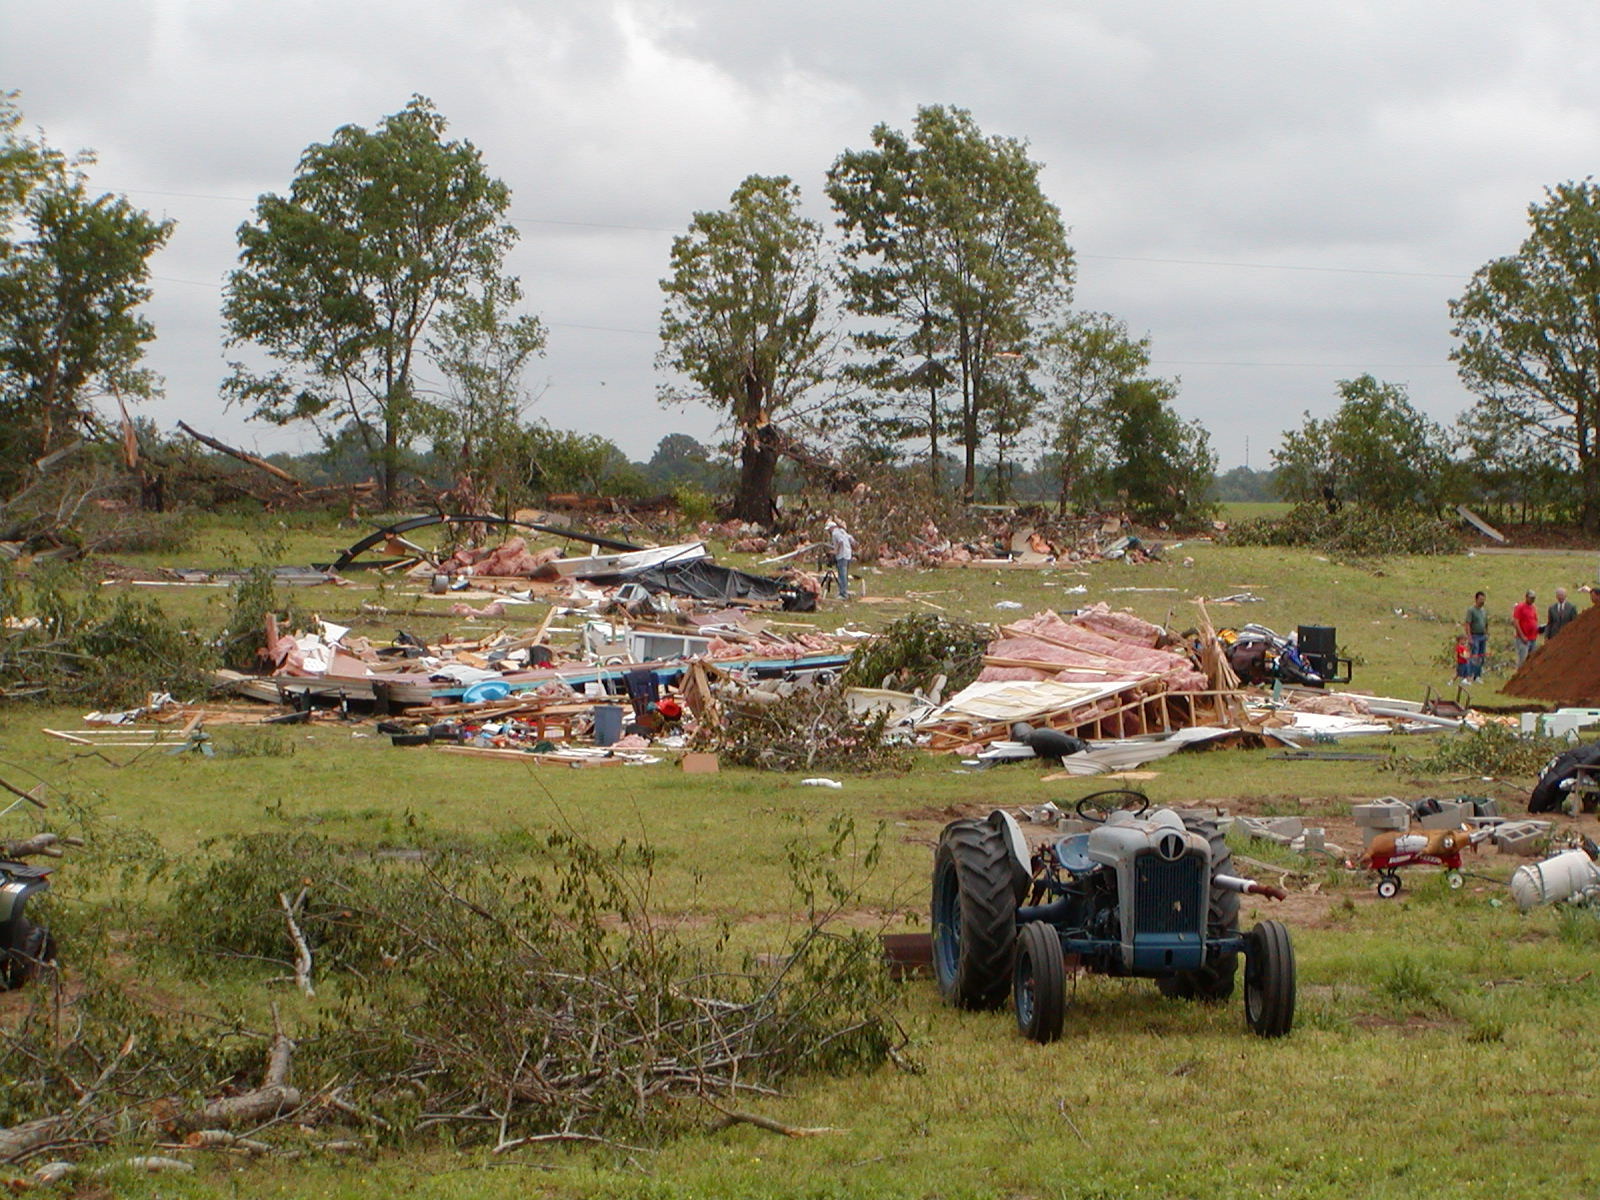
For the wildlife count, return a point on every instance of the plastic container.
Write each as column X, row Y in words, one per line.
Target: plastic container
column 607, row 724
column 488, row 689
column 1555, row 879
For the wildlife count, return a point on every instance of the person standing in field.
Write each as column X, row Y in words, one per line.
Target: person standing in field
column 844, row 549
column 1525, row 619
column 1562, row 613
column 1477, row 624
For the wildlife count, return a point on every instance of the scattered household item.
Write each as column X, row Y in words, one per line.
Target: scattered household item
column 1570, row 875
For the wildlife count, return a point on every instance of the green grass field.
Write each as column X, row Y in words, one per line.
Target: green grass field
column 1443, row 1044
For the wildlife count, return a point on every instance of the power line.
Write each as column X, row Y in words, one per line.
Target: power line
column 1129, row 258
column 1197, row 362
column 1249, row 266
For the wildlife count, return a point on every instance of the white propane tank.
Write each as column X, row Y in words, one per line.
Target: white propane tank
column 1568, row 874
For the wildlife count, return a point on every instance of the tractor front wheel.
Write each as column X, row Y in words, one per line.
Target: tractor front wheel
column 1039, row 983
column 1269, row 980
column 974, row 914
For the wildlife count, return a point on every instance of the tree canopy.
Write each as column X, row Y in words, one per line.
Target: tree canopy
column 1528, row 336
column 381, row 230
column 74, row 271
column 953, row 250
column 743, row 325
column 1376, row 450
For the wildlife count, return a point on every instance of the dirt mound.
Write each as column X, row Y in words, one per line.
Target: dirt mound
column 1567, row 669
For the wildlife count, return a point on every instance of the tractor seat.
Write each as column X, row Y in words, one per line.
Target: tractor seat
column 1073, row 853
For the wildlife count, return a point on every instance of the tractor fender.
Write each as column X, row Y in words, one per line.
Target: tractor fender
column 1022, row 867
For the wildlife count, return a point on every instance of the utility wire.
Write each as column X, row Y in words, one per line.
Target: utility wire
column 1128, row 258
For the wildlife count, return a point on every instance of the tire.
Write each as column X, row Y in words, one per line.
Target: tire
column 31, row 947
column 974, row 915
column 1389, row 887
column 1269, row 980
column 1213, row 982
column 1547, row 794
column 1039, row 983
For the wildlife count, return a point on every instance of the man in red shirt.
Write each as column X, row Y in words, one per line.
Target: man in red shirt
column 1525, row 617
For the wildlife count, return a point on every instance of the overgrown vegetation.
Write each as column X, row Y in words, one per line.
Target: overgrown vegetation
column 1352, row 531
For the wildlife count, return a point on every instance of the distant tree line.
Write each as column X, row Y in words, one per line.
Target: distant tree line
column 931, row 328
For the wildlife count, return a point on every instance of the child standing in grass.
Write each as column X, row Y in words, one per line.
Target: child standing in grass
column 1463, row 659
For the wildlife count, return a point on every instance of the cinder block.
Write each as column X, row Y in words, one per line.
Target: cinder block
column 1521, row 837
column 1382, row 814
column 1452, row 814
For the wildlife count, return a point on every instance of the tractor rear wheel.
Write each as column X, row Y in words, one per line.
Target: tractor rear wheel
column 974, row 914
column 31, row 947
column 1039, row 983
column 1269, row 980
column 1212, row 982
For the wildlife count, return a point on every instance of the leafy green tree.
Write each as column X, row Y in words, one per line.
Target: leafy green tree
column 1163, row 465
column 743, row 324
column 1083, row 361
column 74, row 270
column 953, row 251
column 483, row 349
column 1376, row 450
column 681, row 460
column 382, row 229
column 1528, row 334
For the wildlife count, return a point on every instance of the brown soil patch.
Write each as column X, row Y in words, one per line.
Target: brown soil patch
column 1566, row 670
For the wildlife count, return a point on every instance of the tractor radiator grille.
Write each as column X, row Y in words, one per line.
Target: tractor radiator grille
column 1168, row 897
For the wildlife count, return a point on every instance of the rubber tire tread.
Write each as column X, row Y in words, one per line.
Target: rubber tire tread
column 1547, row 794
column 1269, row 980
column 31, row 946
column 1039, row 948
column 982, row 862
column 1214, row 982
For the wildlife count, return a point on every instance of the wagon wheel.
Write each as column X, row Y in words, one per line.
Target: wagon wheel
column 1389, row 886
column 1455, row 880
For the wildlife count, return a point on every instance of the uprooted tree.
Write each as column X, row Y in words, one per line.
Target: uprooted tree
column 743, row 325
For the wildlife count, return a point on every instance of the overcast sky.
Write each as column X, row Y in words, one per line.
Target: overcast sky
column 1280, row 194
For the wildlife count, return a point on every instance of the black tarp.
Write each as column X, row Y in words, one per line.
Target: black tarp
column 703, row 579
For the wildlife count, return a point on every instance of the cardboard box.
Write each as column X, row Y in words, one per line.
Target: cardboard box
column 700, row 763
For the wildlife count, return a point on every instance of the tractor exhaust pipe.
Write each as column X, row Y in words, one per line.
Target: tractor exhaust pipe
column 1234, row 883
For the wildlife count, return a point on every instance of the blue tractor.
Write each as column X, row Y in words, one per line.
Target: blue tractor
column 1141, row 893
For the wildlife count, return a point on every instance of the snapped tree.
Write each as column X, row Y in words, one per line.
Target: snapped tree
column 381, row 230
column 743, row 324
column 953, row 251
column 1528, row 335
column 1376, row 450
column 74, row 270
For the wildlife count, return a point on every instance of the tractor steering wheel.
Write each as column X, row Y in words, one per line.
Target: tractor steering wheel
column 1097, row 806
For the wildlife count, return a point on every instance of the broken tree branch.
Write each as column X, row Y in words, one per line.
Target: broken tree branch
column 302, row 951
column 733, row 1116
column 242, row 455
